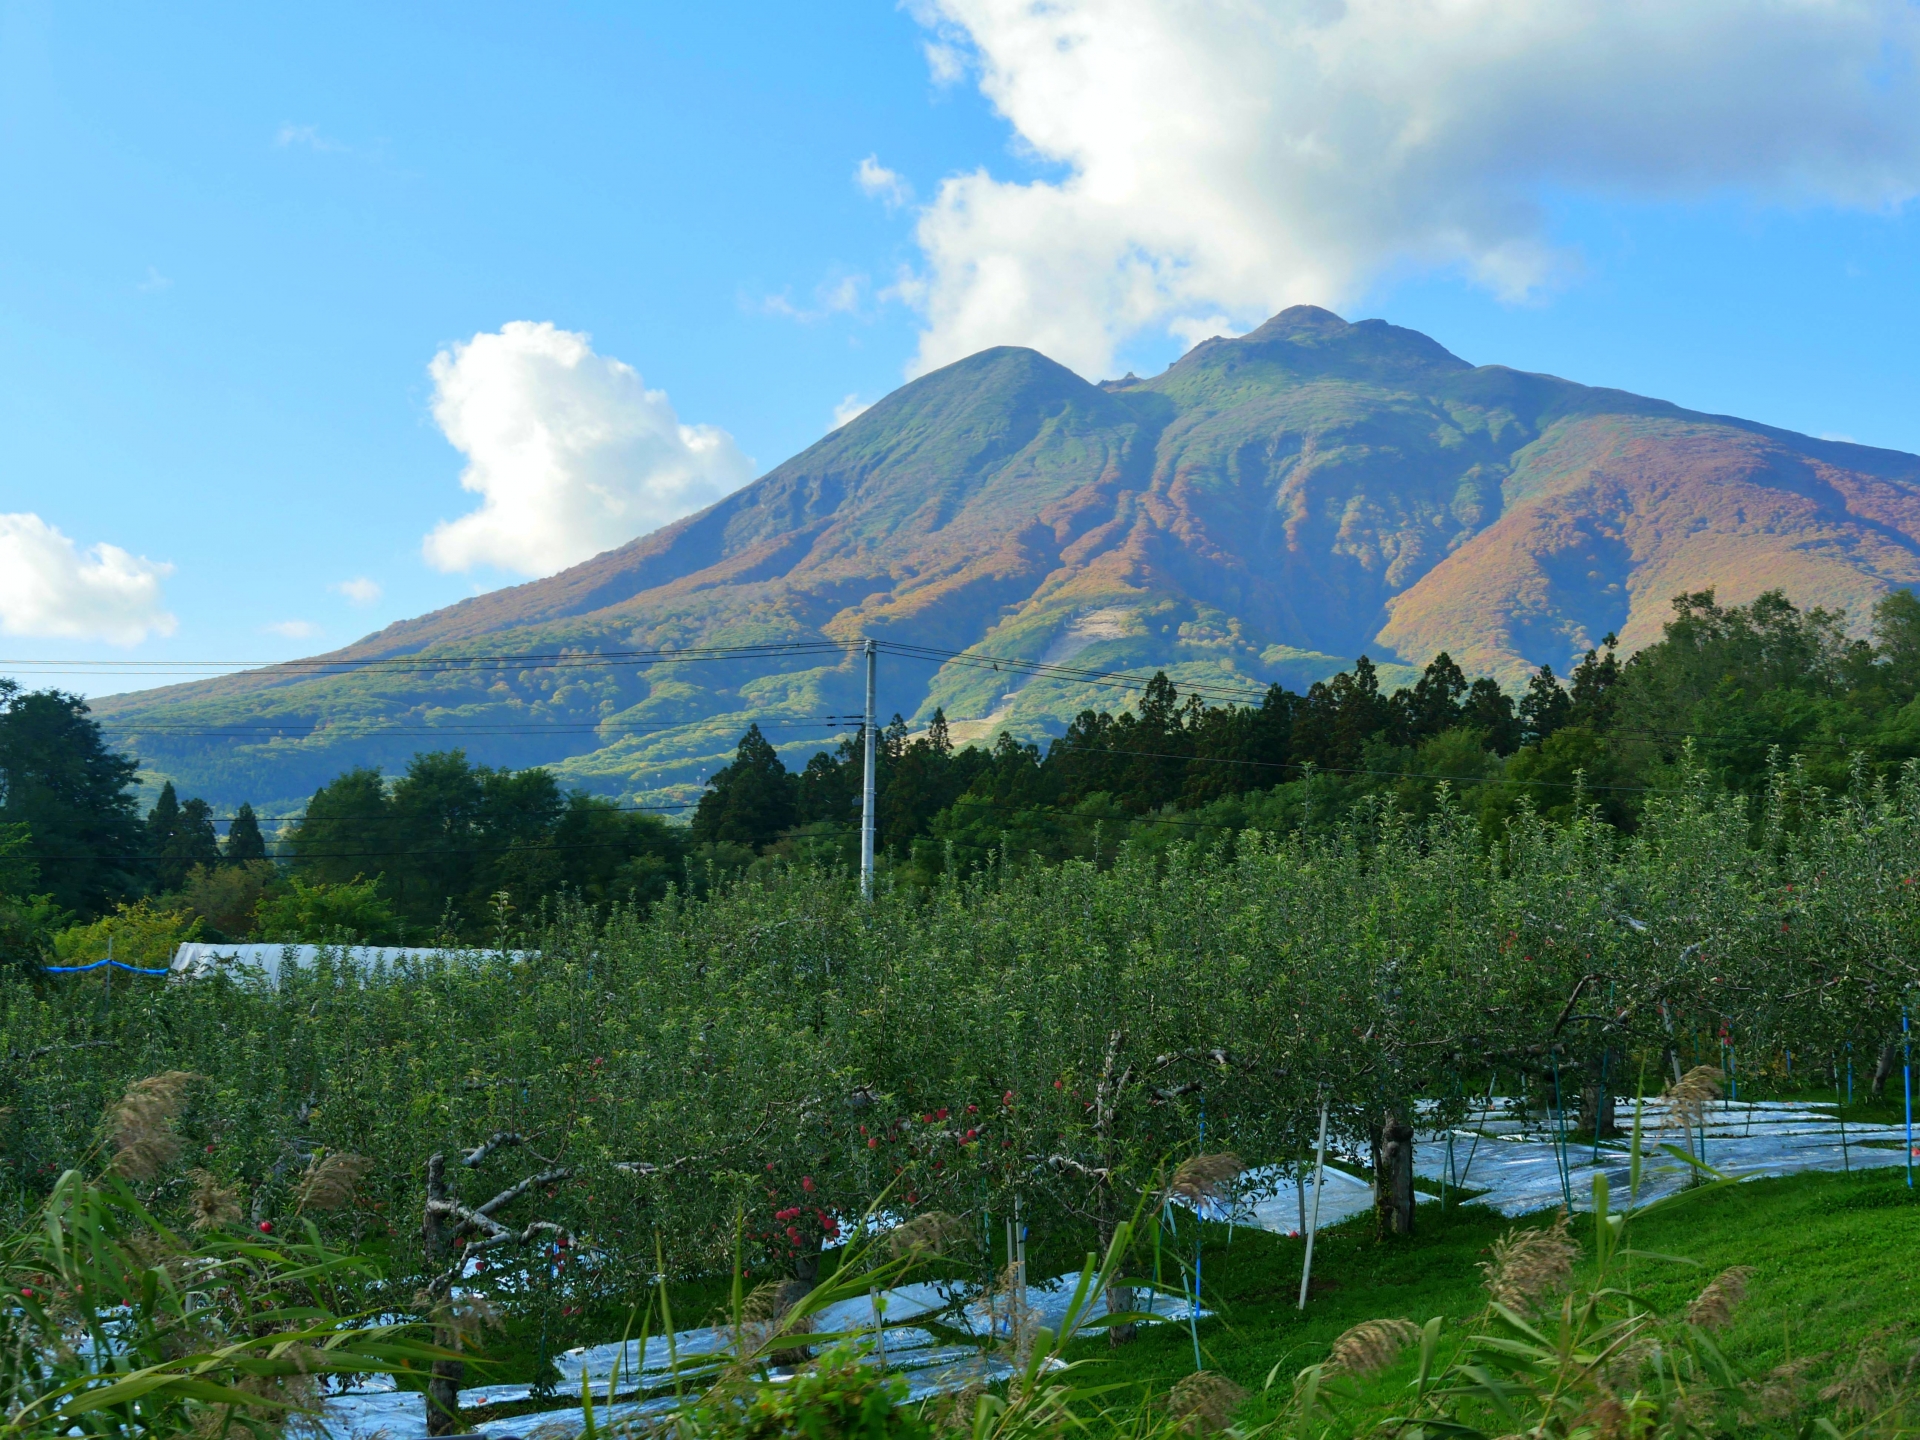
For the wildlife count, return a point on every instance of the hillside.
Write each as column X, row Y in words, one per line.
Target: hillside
column 1266, row 509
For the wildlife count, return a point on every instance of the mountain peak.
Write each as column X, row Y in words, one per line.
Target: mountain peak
column 1308, row 340
column 1300, row 321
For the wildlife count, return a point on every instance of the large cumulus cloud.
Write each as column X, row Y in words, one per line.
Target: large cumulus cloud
column 1217, row 160
column 569, row 451
column 52, row 589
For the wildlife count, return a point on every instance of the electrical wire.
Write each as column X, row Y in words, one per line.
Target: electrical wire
column 1252, row 692
column 1044, row 669
column 428, row 664
column 98, row 964
column 1338, row 770
column 353, row 730
column 302, row 856
column 963, row 658
column 386, row 819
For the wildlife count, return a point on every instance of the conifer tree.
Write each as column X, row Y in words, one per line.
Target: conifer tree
column 59, row 779
column 1544, row 708
column 244, row 840
column 751, row 801
column 179, row 837
column 163, row 820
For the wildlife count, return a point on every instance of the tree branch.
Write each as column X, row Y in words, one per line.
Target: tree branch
column 1567, row 1009
column 644, row 1168
column 1217, row 1055
column 513, row 1192
column 502, row 1140
column 469, row 1219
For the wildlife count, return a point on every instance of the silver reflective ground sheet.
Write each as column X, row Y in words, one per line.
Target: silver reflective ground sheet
column 1515, row 1166
column 928, row 1366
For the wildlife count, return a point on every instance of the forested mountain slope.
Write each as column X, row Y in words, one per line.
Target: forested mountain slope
column 1267, row 509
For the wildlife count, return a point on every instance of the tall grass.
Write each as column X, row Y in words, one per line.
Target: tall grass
column 117, row 1325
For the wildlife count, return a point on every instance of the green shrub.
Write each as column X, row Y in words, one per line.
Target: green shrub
column 142, row 934
column 353, row 912
column 838, row 1399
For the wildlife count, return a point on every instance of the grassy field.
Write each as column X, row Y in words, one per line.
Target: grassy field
column 1836, row 1260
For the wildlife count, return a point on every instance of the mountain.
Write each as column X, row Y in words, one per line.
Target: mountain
column 1266, row 509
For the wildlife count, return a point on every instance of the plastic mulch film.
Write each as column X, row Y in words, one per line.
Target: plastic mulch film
column 1515, row 1164
column 929, row 1365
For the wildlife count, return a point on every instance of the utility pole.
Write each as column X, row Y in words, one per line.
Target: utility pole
column 866, row 788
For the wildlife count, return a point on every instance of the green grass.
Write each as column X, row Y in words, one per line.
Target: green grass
column 1835, row 1258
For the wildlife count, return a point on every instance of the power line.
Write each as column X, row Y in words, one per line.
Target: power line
column 386, row 819
column 352, row 730
column 1055, row 814
column 1338, row 770
column 1253, row 695
column 1043, row 669
column 442, row 850
column 412, row 664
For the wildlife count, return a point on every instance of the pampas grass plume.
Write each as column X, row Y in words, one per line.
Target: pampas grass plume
column 1688, row 1097
column 212, row 1203
column 928, row 1234
column 1529, row 1265
column 330, row 1180
column 142, row 1119
column 1713, row 1307
column 1371, row 1346
column 1202, row 1179
column 1204, row 1402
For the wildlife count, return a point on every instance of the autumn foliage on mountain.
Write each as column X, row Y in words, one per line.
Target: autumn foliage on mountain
column 1265, row 511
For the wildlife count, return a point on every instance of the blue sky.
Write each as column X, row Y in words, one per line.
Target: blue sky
column 238, row 237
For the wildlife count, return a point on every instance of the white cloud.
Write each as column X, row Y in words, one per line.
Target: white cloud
column 569, row 450
column 290, row 134
column 49, row 588
column 881, row 183
column 360, row 590
column 839, row 296
column 946, row 63
column 292, row 629
column 947, row 49
column 848, row 408
column 1231, row 159
column 155, row 281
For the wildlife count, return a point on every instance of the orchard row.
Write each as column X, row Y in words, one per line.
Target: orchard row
column 756, row 1067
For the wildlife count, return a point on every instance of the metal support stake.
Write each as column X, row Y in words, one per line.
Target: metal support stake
column 1485, row 1119
column 1673, row 1050
column 1559, row 1114
column 1846, row 1160
column 1020, row 1240
column 1313, row 1225
column 866, row 787
column 1906, row 1081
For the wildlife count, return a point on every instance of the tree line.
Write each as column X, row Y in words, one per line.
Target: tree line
column 441, row 848
column 1741, row 684
column 437, row 853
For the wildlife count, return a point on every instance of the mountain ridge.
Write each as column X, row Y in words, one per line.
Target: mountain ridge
column 1267, row 508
